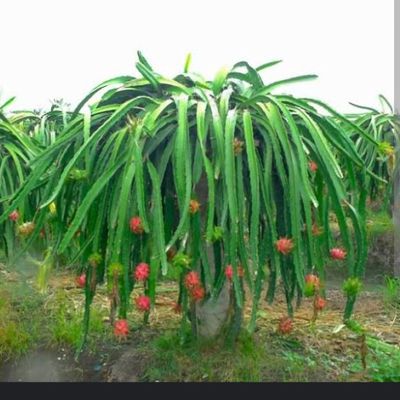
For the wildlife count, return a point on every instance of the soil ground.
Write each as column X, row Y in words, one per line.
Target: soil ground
column 324, row 351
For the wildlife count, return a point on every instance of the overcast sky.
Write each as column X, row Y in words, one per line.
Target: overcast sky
column 63, row 48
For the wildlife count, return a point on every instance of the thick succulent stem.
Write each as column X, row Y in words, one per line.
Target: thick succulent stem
column 349, row 307
column 235, row 323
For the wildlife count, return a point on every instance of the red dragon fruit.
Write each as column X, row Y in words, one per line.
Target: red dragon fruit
column 319, row 303
column 142, row 271
column 284, row 245
column 338, row 254
column 14, row 216
column 121, row 328
column 197, row 293
column 143, row 303
column 313, row 166
column 192, row 280
column 81, row 280
column 136, row 225
column 229, row 271
column 285, row 325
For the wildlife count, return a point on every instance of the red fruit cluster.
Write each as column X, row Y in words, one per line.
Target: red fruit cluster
column 143, row 303
column 284, row 245
column 194, row 286
column 285, row 325
column 14, row 216
column 81, row 280
column 136, row 225
column 338, row 254
column 142, row 271
column 121, row 328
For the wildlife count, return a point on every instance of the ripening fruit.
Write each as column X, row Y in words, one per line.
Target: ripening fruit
column 309, row 290
column 197, row 293
column 142, row 271
column 229, row 271
column 338, row 253
column 121, row 328
column 312, row 284
column 14, row 215
column 143, row 303
column 313, row 279
column 81, row 280
column 285, row 325
column 26, row 228
column 319, row 303
column 316, row 230
column 194, row 206
column 136, row 225
column 313, row 166
column 192, row 280
column 284, row 245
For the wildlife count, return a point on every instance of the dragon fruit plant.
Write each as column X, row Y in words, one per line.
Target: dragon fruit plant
column 198, row 175
column 380, row 160
column 42, row 126
column 384, row 127
column 17, row 150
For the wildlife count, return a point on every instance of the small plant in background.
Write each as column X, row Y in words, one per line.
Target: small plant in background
column 383, row 126
column 391, row 292
column 312, row 289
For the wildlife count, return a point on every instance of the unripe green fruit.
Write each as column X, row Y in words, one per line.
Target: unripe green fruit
column 309, row 289
column 352, row 286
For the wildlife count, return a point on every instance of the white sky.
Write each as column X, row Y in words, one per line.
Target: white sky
column 63, row 48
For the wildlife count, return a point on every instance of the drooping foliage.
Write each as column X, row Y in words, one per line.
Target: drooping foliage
column 195, row 175
column 383, row 126
column 16, row 151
